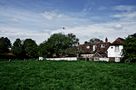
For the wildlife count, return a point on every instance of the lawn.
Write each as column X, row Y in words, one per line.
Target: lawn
column 62, row 75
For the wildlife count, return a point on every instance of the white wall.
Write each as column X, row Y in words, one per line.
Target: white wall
column 87, row 55
column 65, row 59
column 104, row 59
column 101, row 59
column 117, row 59
column 113, row 53
column 41, row 58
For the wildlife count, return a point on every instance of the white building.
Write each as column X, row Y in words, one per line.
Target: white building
column 115, row 50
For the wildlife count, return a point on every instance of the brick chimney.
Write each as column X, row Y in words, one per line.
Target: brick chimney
column 106, row 39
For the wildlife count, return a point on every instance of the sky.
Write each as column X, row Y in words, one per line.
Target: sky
column 38, row 19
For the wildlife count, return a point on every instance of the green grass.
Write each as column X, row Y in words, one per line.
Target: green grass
column 62, row 75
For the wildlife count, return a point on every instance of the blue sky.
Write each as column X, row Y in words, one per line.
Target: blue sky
column 38, row 19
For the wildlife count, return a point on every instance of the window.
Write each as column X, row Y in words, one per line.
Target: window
column 88, row 47
column 102, row 46
column 116, row 48
column 94, row 47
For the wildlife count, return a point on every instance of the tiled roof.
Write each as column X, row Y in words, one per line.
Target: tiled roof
column 118, row 41
column 102, row 48
column 99, row 49
column 85, row 48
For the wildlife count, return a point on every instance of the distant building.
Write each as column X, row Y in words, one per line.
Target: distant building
column 85, row 51
column 101, row 48
column 94, row 51
column 115, row 50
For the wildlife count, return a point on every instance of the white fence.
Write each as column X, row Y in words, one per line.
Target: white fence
column 72, row 59
column 104, row 59
column 101, row 59
column 65, row 59
column 41, row 58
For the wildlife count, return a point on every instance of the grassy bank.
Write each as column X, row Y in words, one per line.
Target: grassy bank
column 62, row 75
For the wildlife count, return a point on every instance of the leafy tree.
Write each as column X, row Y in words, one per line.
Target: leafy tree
column 43, row 49
column 18, row 49
column 72, row 51
column 5, row 44
column 129, row 50
column 58, row 43
column 31, row 48
column 95, row 40
column 74, row 40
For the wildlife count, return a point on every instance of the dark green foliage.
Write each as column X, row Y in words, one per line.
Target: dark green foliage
column 95, row 40
column 58, row 43
column 31, row 48
column 129, row 50
column 43, row 49
column 5, row 44
column 71, row 51
column 62, row 75
column 18, row 49
column 74, row 40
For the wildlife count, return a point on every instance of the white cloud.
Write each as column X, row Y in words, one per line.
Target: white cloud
column 39, row 26
column 124, row 8
column 14, row 33
column 51, row 15
column 126, row 12
column 118, row 26
column 128, row 16
column 111, row 30
column 25, row 24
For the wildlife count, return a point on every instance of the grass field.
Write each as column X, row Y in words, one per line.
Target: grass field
column 62, row 75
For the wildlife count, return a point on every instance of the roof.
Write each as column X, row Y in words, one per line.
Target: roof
column 88, row 48
column 101, row 49
column 118, row 41
column 85, row 48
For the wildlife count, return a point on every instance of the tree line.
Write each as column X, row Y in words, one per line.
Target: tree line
column 58, row 45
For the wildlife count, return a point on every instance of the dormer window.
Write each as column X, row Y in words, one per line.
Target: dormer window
column 94, row 47
column 88, row 47
column 102, row 46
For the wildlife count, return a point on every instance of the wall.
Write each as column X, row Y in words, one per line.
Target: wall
column 87, row 55
column 101, row 59
column 117, row 59
column 104, row 59
column 113, row 53
column 65, row 59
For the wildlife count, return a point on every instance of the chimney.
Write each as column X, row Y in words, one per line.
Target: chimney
column 106, row 39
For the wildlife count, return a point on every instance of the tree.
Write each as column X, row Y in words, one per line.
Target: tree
column 72, row 51
column 31, row 48
column 18, row 49
column 129, row 50
column 5, row 44
column 75, row 41
column 57, row 43
column 43, row 49
column 95, row 40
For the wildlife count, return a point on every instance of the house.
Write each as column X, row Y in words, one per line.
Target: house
column 101, row 48
column 85, row 51
column 94, row 51
column 115, row 50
